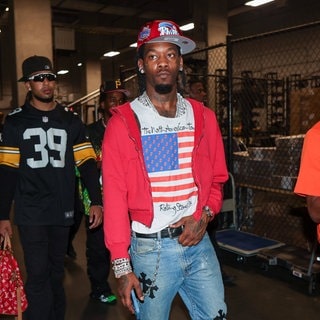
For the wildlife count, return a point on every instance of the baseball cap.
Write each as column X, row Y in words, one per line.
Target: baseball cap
column 164, row 31
column 113, row 85
column 34, row 64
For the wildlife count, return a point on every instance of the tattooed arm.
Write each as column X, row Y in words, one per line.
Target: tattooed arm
column 125, row 284
column 193, row 230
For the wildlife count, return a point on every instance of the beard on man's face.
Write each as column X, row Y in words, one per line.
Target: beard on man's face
column 163, row 88
column 45, row 100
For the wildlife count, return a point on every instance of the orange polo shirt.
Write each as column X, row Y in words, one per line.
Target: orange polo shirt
column 308, row 182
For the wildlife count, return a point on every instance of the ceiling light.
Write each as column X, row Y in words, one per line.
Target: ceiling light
column 62, row 71
column 256, row 3
column 133, row 45
column 188, row 26
column 111, row 54
column 7, row 9
column 79, row 64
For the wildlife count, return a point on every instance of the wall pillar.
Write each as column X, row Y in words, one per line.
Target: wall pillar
column 93, row 82
column 217, row 32
column 32, row 36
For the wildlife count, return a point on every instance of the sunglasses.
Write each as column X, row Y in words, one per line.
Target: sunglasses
column 41, row 76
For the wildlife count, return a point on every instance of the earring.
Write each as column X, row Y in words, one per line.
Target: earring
column 141, row 70
column 181, row 68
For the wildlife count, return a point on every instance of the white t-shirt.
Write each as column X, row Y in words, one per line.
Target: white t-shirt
column 167, row 148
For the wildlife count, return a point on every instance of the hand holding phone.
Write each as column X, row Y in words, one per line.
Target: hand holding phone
column 135, row 303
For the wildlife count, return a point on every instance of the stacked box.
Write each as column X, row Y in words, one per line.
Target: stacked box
column 304, row 109
column 264, row 153
column 270, row 167
column 260, row 166
column 260, row 173
column 287, row 161
column 284, row 182
column 287, row 155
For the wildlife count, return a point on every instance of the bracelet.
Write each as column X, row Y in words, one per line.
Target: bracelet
column 121, row 267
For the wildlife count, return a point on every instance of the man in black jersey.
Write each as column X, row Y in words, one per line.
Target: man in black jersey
column 42, row 142
column 112, row 94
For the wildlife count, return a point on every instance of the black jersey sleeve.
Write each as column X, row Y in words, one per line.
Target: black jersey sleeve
column 8, row 183
column 9, row 163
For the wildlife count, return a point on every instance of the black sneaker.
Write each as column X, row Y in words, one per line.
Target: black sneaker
column 108, row 298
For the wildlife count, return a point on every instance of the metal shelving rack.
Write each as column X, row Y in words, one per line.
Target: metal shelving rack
column 221, row 98
column 276, row 108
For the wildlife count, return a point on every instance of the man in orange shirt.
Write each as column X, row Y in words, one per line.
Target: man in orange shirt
column 308, row 183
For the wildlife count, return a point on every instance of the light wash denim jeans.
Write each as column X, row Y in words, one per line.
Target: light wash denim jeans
column 165, row 268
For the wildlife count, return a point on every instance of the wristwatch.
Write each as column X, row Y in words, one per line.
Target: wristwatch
column 208, row 211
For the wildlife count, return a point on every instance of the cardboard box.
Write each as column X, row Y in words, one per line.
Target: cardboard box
column 304, row 109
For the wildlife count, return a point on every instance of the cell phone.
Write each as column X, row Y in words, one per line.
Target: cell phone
column 135, row 305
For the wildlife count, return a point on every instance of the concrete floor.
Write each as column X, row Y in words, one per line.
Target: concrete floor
column 256, row 294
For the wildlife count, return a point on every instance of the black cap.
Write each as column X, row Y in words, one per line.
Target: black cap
column 34, row 64
column 113, row 85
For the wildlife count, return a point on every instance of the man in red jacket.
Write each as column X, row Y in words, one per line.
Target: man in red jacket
column 163, row 163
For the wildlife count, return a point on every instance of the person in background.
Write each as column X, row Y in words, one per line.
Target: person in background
column 163, row 169
column 197, row 90
column 42, row 142
column 308, row 181
column 112, row 94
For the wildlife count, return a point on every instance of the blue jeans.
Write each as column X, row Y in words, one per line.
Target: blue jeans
column 165, row 268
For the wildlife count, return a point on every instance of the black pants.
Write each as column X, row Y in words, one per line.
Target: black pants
column 98, row 260
column 44, row 250
column 78, row 214
column 98, row 256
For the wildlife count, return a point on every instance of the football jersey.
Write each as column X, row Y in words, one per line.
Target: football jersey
column 43, row 147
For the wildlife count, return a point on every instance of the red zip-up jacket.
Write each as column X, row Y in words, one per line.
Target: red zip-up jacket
column 126, row 185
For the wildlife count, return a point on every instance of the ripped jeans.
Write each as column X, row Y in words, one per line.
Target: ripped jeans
column 165, row 268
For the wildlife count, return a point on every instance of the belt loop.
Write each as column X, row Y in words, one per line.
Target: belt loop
column 159, row 235
column 169, row 232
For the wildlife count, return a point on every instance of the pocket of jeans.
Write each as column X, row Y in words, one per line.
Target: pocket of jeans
column 140, row 246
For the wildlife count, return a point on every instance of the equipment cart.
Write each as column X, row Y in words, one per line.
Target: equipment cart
column 300, row 262
column 244, row 244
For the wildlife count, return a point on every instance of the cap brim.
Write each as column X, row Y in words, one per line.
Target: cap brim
column 125, row 92
column 25, row 78
column 186, row 45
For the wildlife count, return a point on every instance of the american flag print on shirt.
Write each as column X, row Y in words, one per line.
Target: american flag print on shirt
column 168, row 160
